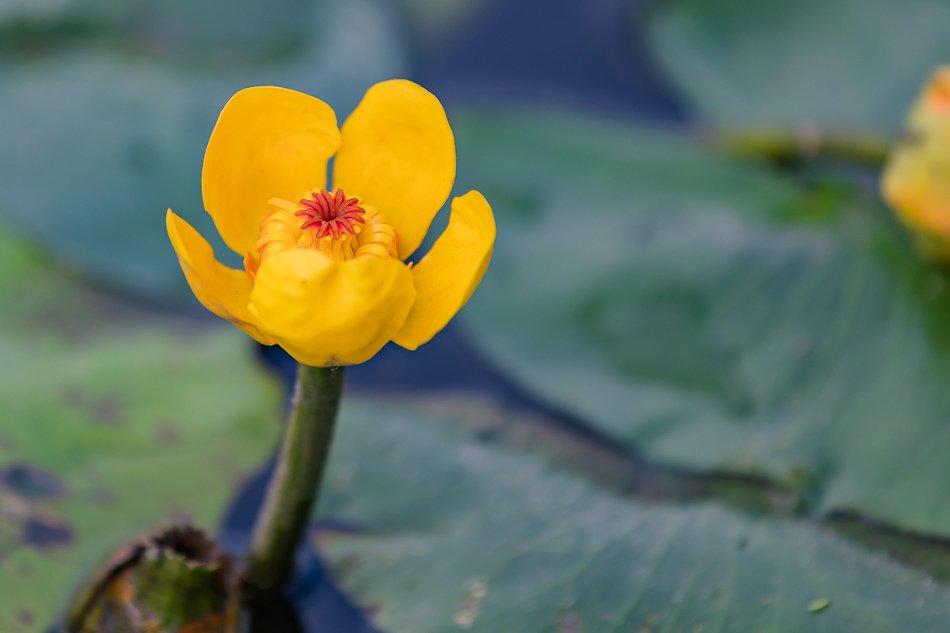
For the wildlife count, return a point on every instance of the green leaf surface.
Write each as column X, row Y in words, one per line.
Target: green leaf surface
column 115, row 138
column 242, row 29
column 716, row 316
column 463, row 532
column 837, row 63
column 115, row 420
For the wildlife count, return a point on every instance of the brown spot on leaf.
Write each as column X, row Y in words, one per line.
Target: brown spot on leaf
column 7, row 443
column 24, row 617
column 167, row 434
column 31, row 482
column 104, row 410
column 46, row 533
column 102, row 497
column 569, row 623
column 19, row 487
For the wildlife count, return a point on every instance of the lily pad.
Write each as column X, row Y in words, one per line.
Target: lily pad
column 463, row 532
column 115, row 139
column 715, row 315
column 115, row 420
column 835, row 63
column 245, row 30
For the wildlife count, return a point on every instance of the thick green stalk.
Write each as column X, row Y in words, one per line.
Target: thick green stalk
column 292, row 492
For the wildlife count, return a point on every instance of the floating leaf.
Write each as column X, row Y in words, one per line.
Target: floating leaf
column 246, row 31
column 716, row 316
column 115, row 420
column 462, row 532
column 838, row 63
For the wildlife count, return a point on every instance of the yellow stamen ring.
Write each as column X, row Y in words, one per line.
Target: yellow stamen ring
column 338, row 227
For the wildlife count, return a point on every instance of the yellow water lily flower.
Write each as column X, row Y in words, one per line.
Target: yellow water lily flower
column 324, row 266
column 916, row 180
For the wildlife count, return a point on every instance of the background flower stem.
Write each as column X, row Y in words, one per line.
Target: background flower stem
column 805, row 142
column 293, row 490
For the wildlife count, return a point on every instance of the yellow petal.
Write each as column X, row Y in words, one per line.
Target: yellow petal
column 331, row 313
column 916, row 179
column 222, row 290
column 268, row 143
column 398, row 154
column 448, row 275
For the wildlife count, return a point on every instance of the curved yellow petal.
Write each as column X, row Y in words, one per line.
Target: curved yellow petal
column 222, row 290
column 916, row 176
column 268, row 143
column 331, row 313
column 449, row 273
column 398, row 154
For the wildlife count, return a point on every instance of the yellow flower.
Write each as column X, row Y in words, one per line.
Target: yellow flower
column 324, row 273
column 916, row 181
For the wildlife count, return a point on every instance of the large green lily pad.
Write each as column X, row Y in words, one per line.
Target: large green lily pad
column 836, row 63
column 715, row 315
column 115, row 420
column 115, row 139
column 241, row 30
column 462, row 532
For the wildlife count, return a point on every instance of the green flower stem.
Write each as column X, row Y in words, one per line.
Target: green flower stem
column 292, row 492
column 805, row 143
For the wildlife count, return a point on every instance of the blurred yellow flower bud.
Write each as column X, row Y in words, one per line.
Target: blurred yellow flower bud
column 916, row 180
column 324, row 272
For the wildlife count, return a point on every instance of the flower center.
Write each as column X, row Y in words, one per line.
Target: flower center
column 341, row 228
column 331, row 214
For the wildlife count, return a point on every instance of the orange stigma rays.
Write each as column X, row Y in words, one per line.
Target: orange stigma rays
column 330, row 214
